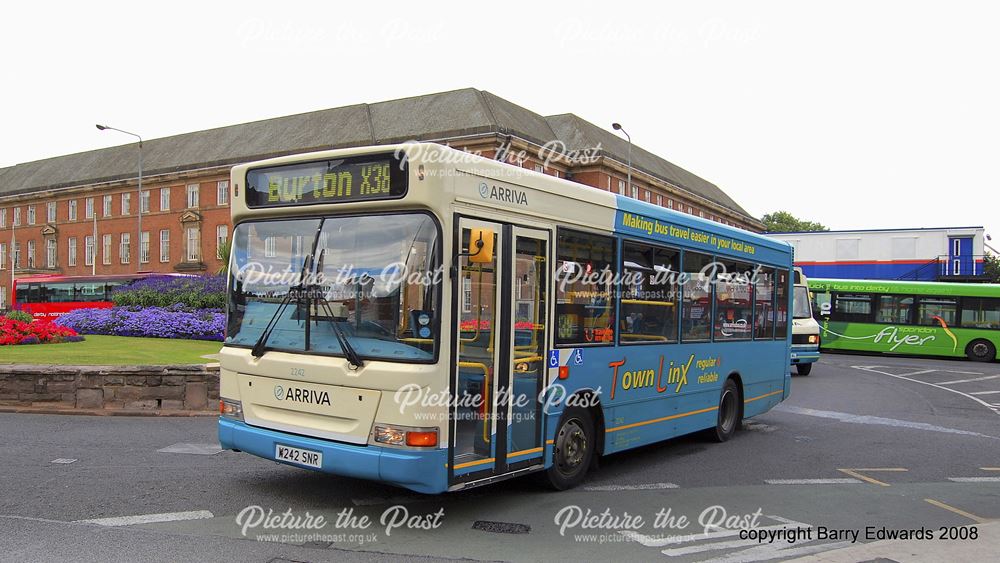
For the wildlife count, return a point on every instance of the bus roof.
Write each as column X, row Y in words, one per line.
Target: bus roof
column 893, row 287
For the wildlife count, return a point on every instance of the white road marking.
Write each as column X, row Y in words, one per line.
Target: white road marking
column 149, row 518
column 969, row 380
column 193, row 449
column 919, row 372
column 810, row 481
column 950, row 390
column 977, row 393
column 975, row 479
column 645, row 487
column 660, row 541
column 63, row 461
column 877, row 420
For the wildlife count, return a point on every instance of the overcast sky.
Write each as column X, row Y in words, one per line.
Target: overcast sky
column 853, row 114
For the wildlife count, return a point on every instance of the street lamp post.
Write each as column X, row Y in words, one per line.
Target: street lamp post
column 618, row 127
column 138, row 241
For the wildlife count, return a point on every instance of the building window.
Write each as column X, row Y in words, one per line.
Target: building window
column 164, row 199
column 193, row 244
column 31, row 214
column 144, row 247
column 221, row 236
column 88, row 252
column 270, row 247
column 192, row 195
column 540, row 169
column 3, row 255
column 701, row 214
column 88, row 208
column 690, row 210
column 634, row 192
column 3, row 218
column 71, row 251
column 621, row 187
column 50, row 212
column 659, row 200
column 223, row 192
column 71, row 205
column 126, row 203
column 50, row 253
column 647, row 196
column 144, row 202
column 17, row 255
column 107, row 206
column 31, row 254
column 3, row 296
column 165, row 245
column 125, row 247
column 106, row 250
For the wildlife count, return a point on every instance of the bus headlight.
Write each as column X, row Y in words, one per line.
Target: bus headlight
column 813, row 338
column 231, row 409
column 405, row 436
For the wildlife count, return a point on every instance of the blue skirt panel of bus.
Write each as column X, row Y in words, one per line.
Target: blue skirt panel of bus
column 804, row 354
column 656, row 392
column 421, row 471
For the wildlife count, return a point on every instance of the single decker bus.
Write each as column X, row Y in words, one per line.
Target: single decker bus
column 436, row 320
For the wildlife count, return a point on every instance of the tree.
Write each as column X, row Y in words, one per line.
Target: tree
column 785, row 222
column 991, row 267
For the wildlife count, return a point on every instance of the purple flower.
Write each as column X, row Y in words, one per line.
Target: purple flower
column 150, row 322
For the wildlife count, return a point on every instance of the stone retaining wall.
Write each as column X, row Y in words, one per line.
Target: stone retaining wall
column 136, row 388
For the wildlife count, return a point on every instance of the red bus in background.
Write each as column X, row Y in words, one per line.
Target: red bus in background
column 47, row 296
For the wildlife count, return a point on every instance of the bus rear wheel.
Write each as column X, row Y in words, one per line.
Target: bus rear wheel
column 981, row 351
column 573, row 449
column 729, row 412
column 803, row 369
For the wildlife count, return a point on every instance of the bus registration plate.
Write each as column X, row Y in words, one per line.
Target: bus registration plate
column 295, row 455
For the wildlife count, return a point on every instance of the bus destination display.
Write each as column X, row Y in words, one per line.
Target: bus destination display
column 342, row 180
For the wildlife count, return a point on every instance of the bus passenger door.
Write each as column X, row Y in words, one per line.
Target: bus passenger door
column 527, row 350
column 500, row 341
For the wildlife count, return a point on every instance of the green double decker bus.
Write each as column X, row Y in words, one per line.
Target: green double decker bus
column 919, row 318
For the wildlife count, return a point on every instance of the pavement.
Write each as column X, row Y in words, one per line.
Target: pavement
column 890, row 444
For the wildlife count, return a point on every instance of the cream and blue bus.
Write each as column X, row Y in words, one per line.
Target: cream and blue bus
column 435, row 320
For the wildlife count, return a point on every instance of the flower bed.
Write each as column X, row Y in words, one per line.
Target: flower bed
column 175, row 321
column 13, row 332
column 196, row 292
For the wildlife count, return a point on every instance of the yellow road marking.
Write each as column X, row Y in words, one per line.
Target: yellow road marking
column 960, row 512
column 854, row 472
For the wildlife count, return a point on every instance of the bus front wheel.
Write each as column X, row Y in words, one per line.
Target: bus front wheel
column 803, row 369
column 729, row 412
column 573, row 449
column 981, row 351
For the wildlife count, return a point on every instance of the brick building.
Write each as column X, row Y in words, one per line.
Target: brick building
column 48, row 207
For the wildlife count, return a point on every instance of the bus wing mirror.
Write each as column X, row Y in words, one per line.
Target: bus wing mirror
column 481, row 245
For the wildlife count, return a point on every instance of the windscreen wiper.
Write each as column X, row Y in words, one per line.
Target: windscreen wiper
column 345, row 343
column 260, row 346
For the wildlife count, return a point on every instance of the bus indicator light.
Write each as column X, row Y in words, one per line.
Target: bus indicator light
column 563, row 372
column 421, row 439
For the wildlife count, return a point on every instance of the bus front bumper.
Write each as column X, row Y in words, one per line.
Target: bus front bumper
column 805, row 354
column 421, row 471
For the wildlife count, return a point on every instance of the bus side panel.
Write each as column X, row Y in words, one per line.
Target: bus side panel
column 655, row 392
